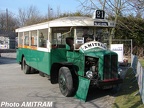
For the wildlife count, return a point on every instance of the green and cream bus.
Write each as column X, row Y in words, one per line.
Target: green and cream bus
column 69, row 51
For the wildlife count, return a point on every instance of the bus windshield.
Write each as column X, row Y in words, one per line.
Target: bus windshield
column 87, row 34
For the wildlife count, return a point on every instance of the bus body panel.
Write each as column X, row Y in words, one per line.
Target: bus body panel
column 40, row 60
column 23, row 52
column 43, row 60
column 77, row 59
column 37, row 59
column 58, row 55
column 18, row 55
column 33, row 60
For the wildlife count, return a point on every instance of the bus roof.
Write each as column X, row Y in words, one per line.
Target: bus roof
column 69, row 22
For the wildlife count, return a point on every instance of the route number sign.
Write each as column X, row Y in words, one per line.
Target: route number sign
column 100, row 14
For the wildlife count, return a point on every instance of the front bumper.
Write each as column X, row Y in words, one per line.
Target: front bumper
column 110, row 82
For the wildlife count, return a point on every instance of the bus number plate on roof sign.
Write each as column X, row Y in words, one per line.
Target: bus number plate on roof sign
column 100, row 14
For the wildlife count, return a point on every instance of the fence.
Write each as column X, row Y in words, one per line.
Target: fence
column 139, row 74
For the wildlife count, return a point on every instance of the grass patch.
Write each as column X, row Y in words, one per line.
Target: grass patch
column 126, row 97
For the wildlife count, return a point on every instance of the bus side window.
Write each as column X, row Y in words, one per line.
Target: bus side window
column 41, row 40
column 20, row 39
column 55, row 40
column 43, row 37
column 26, row 38
column 34, row 38
column 59, row 36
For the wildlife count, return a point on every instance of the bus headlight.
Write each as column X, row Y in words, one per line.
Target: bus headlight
column 89, row 74
column 119, row 71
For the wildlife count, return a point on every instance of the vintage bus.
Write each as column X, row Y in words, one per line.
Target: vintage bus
column 69, row 51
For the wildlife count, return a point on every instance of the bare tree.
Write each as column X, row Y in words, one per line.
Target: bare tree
column 50, row 13
column 2, row 21
column 22, row 17
column 125, row 7
column 7, row 21
column 29, row 16
column 58, row 12
column 114, row 8
column 137, row 6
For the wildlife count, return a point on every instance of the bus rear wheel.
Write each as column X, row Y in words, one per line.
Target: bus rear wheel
column 26, row 68
column 65, row 81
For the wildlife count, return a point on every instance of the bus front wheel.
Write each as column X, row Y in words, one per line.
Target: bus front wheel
column 65, row 81
column 26, row 68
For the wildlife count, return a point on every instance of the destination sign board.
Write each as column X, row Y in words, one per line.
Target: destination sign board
column 100, row 23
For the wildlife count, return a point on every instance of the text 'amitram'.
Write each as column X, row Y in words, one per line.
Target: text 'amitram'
column 25, row 104
column 94, row 44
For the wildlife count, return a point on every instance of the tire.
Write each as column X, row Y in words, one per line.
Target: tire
column 41, row 74
column 65, row 81
column 33, row 71
column 22, row 66
column 26, row 68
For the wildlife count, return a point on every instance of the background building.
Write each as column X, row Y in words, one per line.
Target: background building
column 8, row 40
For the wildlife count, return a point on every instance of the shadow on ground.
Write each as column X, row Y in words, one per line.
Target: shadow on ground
column 7, row 60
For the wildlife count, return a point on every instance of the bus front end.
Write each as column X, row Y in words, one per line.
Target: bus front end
column 102, row 69
column 97, row 67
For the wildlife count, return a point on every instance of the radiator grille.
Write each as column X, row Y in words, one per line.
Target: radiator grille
column 110, row 67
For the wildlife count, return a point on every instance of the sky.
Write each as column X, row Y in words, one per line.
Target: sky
column 42, row 5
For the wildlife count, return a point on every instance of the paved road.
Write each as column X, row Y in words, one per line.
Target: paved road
column 16, row 87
